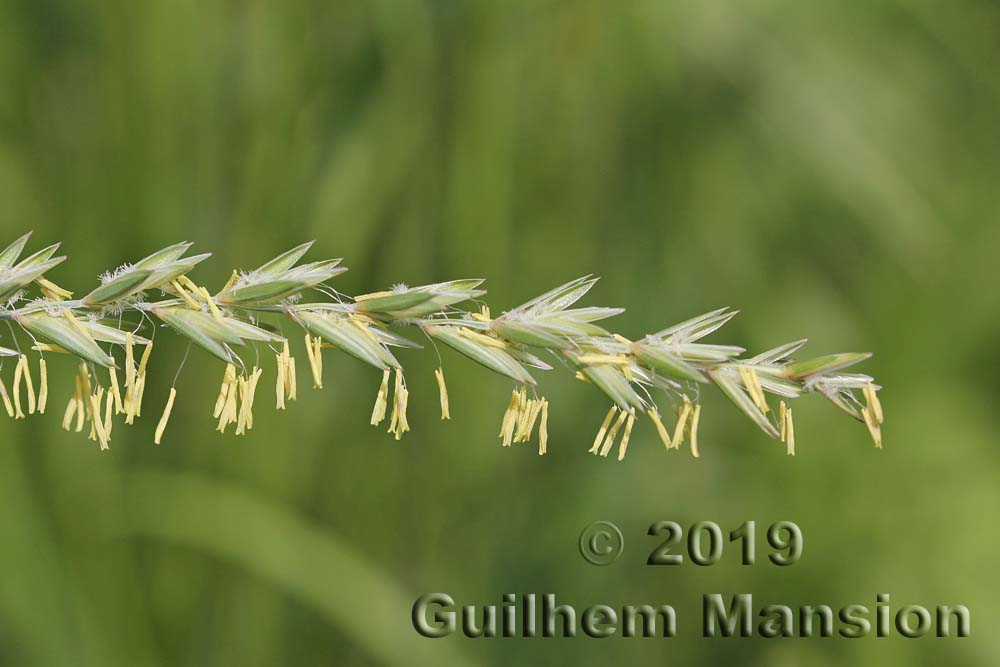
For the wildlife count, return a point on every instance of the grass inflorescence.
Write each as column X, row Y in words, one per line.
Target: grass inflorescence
column 112, row 356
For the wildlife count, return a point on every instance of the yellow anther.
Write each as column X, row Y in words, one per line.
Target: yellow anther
column 48, row 347
column 442, row 393
column 789, row 433
column 68, row 314
column 873, row 427
column 510, row 413
column 43, row 386
column 184, row 295
column 752, row 383
column 381, row 400
column 115, row 390
column 145, row 358
column 694, row 431
column 874, row 404
column 279, row 384
column 315, row 361
column 109, row 404
column 18, row 378
column 596, row 447
column 364, row 324
column 678, row 438
column 6, row 399
column 398, row 424
column 371, row 295
column 609, row 441
column 290, row 377
column 623, row 446
column 483, row 315
column 216, row 313
column 129, row 366
column 604, row 359
column 543, row 429
column 227, row 379
column 232, row 281
column 29, row 385
column 165, row 417
column 53, row 291
column 190, row 284
column 254, row 379
column 81, row 409
column 67, row 421
column 483, row 339
column 97, row 427
column 783, row 420
column 243, row 392
column 661, row 430
column 583, row 378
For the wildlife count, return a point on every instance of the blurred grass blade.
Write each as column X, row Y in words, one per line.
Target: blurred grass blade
column 290, row 553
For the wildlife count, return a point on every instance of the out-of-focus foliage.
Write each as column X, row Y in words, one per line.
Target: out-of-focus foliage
column 829, row 169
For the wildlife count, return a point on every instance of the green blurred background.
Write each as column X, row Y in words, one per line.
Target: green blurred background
column 830, row 169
